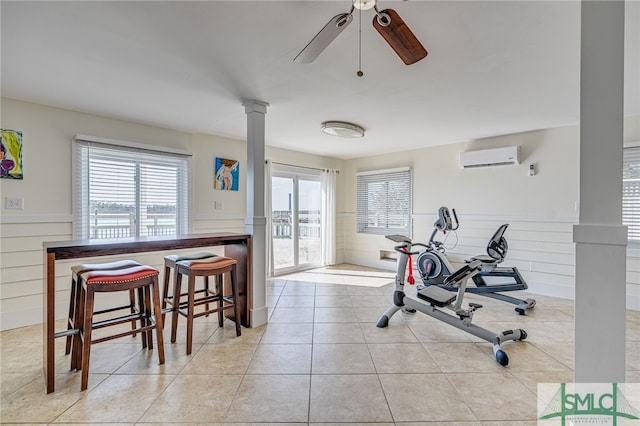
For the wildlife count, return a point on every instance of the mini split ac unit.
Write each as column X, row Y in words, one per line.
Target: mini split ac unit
column 490, row 157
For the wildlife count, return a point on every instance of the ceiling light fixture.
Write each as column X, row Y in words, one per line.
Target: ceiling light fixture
column 342, row 129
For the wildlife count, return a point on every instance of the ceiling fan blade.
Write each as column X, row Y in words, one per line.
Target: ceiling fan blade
column 324, row 38
column 399, row 37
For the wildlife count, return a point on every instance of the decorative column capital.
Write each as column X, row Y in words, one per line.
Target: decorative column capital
column 252, row 105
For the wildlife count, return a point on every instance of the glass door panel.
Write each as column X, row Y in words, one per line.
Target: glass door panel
column 282, row 219
column 296, row 200
column 309, row 235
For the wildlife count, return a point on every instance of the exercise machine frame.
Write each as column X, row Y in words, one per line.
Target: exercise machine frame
column 434, row 266
column 432, row 301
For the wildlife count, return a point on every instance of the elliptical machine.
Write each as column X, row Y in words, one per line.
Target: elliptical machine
column 435, row 301
column 434, row 267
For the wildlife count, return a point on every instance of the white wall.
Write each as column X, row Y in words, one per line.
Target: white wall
column 46, row 190
column 540, row 209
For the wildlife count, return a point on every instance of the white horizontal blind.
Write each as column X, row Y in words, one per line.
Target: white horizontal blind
column 631, row 193
column 384, row 202
column 122, row 191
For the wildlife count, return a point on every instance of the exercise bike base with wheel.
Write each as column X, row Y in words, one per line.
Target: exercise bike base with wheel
column 432, row 301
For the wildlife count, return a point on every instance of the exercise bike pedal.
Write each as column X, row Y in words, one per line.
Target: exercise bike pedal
column 474, row 306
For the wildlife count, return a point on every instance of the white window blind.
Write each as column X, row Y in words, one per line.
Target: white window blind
column 631, row 193
column 384, row 202
column 123, row 191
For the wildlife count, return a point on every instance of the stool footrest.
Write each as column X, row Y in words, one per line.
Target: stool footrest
column 201, row 301
column 120, row 320
column 229, row 300
column 169, row 299
column 117, row 308
column 65, row 333
column 126, row 333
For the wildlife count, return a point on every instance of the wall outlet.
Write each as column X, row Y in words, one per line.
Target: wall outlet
column 217, row 205
column 13, row 203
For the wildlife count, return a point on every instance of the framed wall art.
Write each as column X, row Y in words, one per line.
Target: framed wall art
column 227, row 174
column 10, row 154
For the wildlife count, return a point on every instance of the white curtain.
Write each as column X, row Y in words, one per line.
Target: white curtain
column 328, row 216
column 268, row 212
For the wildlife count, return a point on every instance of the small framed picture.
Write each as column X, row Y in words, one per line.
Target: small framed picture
column 227, row 174
column 10, row 154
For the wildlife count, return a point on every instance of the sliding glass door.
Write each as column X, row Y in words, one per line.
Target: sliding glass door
column 296, row 200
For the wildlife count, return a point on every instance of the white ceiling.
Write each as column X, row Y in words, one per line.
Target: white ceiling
column 494, row 67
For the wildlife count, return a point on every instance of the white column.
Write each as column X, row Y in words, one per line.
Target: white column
column 255, row 222
column 600, row 237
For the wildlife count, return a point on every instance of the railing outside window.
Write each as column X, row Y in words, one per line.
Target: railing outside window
column 123, row 225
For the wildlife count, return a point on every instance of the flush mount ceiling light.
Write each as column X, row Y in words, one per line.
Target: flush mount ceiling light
column 342, row 129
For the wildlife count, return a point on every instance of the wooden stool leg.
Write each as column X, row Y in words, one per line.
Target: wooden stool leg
column 132, row 304
column 157, row 311
column 190, row 310
column 76, row 350
column 142, row 321
column 86, row 336
column 147, row 315
column 72, row 318
column 236, row 299
column 165, row 290
column 177, row 284
column 220, row 291
column 206, row 292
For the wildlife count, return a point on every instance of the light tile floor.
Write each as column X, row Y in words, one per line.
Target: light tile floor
column 321, row 359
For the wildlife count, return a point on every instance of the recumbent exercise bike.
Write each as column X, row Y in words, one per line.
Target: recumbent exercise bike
column 434, row 267
column 432, row 300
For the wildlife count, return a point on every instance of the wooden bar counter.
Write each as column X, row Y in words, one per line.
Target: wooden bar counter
column 237, row 246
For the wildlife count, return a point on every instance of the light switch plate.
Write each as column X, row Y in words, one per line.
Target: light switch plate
column 11, row 203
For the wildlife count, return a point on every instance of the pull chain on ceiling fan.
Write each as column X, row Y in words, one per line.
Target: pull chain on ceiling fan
column 387, row 22
column 360, row 73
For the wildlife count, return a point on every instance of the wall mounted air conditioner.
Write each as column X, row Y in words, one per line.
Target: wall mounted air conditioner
column 490, row 157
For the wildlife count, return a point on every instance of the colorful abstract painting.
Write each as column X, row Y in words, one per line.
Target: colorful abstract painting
column 10, row 154
column 227, row 174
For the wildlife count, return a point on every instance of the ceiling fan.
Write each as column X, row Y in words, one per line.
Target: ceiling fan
column 387, row 22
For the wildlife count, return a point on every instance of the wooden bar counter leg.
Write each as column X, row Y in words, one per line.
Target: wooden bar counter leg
column 241, row 253
column 49, row 295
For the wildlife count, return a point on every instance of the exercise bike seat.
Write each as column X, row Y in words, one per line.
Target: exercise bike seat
column 436, row 296
column 496, row 248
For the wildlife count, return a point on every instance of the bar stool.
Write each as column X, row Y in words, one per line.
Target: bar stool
column 142, row 278
column 74, row 299
column 215, row 266
column 169, row 264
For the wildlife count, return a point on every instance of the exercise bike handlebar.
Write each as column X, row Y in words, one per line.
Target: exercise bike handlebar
column 405, row 245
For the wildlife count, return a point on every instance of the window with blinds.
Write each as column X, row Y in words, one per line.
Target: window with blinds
column 123, row 191
column 384, row 202
column 631, row 192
